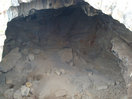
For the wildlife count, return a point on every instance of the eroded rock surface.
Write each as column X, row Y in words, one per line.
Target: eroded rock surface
column 123, row 51
column 63, row 57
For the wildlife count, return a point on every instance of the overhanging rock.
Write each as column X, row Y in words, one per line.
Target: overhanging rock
column 9, row 9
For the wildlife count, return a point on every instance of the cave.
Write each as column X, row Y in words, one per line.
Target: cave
column 73, row 51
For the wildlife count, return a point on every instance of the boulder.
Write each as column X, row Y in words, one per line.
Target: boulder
column 25, row 91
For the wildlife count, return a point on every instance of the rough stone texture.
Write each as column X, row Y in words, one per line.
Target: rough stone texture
column 9, row 93
column 17, row 94
column 124, row 52
column 4, row 66
column 25, row 91
column 66, row 55
column 124, row 18
column 120, row 10
column 60, row 93
column 85, row 42
column 9, row 9
column 23, row 9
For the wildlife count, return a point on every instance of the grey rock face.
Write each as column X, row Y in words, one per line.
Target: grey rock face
column 14, row 54
column 123, row 52
column 17, row 94
column 25, row 91
column 24, row 7
column 9, row 93
column 65, row 39
column 119, row 10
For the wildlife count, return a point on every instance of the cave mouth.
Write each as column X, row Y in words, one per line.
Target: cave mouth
column 63, row 53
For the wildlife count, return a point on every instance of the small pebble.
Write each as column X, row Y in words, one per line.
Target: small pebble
column 31, row 57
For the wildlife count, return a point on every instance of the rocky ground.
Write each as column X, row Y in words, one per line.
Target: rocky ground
column 63, row 54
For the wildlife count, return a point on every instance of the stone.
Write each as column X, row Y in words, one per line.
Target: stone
column 102, row 87
column 66, row 55
column 17, row 94
column 25, row 91
column 77, row 96
column 9, row 81
column 32, row 90
column 28, row 84
column 131, row 74
column 90, row 73
column 58, row 73
column 12, row 13
column 129, row 90
column 2, row 39
column 9, row 93
column 124, row 97
column 117, row 9
column 111, row 83
column 25, row 1
column 14, row 3
column 117, row 82
column 10, row 60
column 30, row 98
column 24, row 51
column 71, row 63
column 85, row 97
column 60, row 93
column 36, row 51
column 62, row 71
column 31, row 57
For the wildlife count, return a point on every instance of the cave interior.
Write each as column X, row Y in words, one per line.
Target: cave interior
column 64, row 53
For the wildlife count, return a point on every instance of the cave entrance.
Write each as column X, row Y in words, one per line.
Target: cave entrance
column 63, row 53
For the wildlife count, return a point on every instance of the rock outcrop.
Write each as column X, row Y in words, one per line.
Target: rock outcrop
column 123, row 52
column 65, row 54
column 119, row 10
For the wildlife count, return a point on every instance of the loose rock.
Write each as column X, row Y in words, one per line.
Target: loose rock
column 25, row 91
column 102, row 87
column 31, row 57
column 58, row 73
